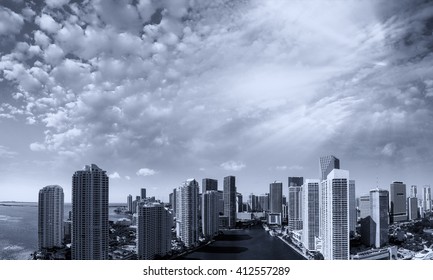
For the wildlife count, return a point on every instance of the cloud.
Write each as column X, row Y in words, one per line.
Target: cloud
column 5, row 152
column 389, row 149
column 145, row 172
column 127, row 178
column 10, row 22
column 114, row 175
column 36, row 147
column 56, row 3
column 207, row 80
column 232, row 165
column 47, row 23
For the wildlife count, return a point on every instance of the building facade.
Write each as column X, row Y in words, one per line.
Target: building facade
column 90, row 214
column 379, row 201
column 209, row 185
column 334, row 215
column 310, row 213
column 187, row 223
column 153, row 231
column 294, row 213
column 210, row 214
column 398, row 202
column 327, row 164
column 50, row 217
column 230, row 200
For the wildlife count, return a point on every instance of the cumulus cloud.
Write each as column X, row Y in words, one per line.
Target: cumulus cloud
column 10, row 22
column 206, row 81
column 47, row 23
column 233, row 165
column 145, row 172
column 114, row 175
column 56, row 3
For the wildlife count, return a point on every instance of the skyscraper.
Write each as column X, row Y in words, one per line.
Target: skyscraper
column 412, row 208
column 379, row 201
column 50, row 217
column 310, row 215
column 239, row 202
column 352, row 207
column 427, row 198
column 129, row 201
column 143, row 193
column 327, row 164
column 294, row 214
column 210, row 214
column 230, row 200
column 263, row 202
column 153, row 230
column 209, row 185
column 413, row 191
column 187, row 224
column 334, row 218
column 398, row 202
column 364, row 206
column 90, row 214
column 276, row 197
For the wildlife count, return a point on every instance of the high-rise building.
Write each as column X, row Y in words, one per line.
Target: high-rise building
column 173, row 202
column 334, row 218
column 90, row 214
column 352, row 207
column 187, row 223
column 276, row 197
column 252, row 203
column 379, row 201
column 413, row 191
column 239, row 203
column 427, row 198
column 294, row 215
column 50, row 217
column 398, row 202
column 263, row 203
column 230, row 200
column 143, row 193
column 129, row 203
column 310, row 213
column 210, row 214
column 364, row 206
column 412, row 208
column 209, row 185
column 153, row 230
column 327, row 164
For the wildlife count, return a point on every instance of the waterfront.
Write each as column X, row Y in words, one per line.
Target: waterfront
column 247, row 244
column 19, row 228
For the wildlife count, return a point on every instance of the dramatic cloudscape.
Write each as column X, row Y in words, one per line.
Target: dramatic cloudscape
column 159, row 91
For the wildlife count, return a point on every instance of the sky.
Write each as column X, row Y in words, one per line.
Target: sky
column 159, row 91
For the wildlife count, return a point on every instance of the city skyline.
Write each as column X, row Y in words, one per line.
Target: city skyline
column 160, row 91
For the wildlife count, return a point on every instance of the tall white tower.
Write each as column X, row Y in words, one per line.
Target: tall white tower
column 90, row 214
column 187, row 225
column 379, row 201
column 50, row 217
column 334, row 215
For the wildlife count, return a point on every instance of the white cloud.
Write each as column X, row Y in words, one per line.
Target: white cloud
column 47, row 23
column 127, row 178
column 37, row 147
column 146, row 172
column 389, row 149
column 114, row 175
column 232, row 165
column 10, row 22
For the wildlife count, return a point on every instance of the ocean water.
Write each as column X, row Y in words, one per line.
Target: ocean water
column 19, row 228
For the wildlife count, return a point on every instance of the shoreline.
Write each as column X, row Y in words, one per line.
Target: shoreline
column 296, row 249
